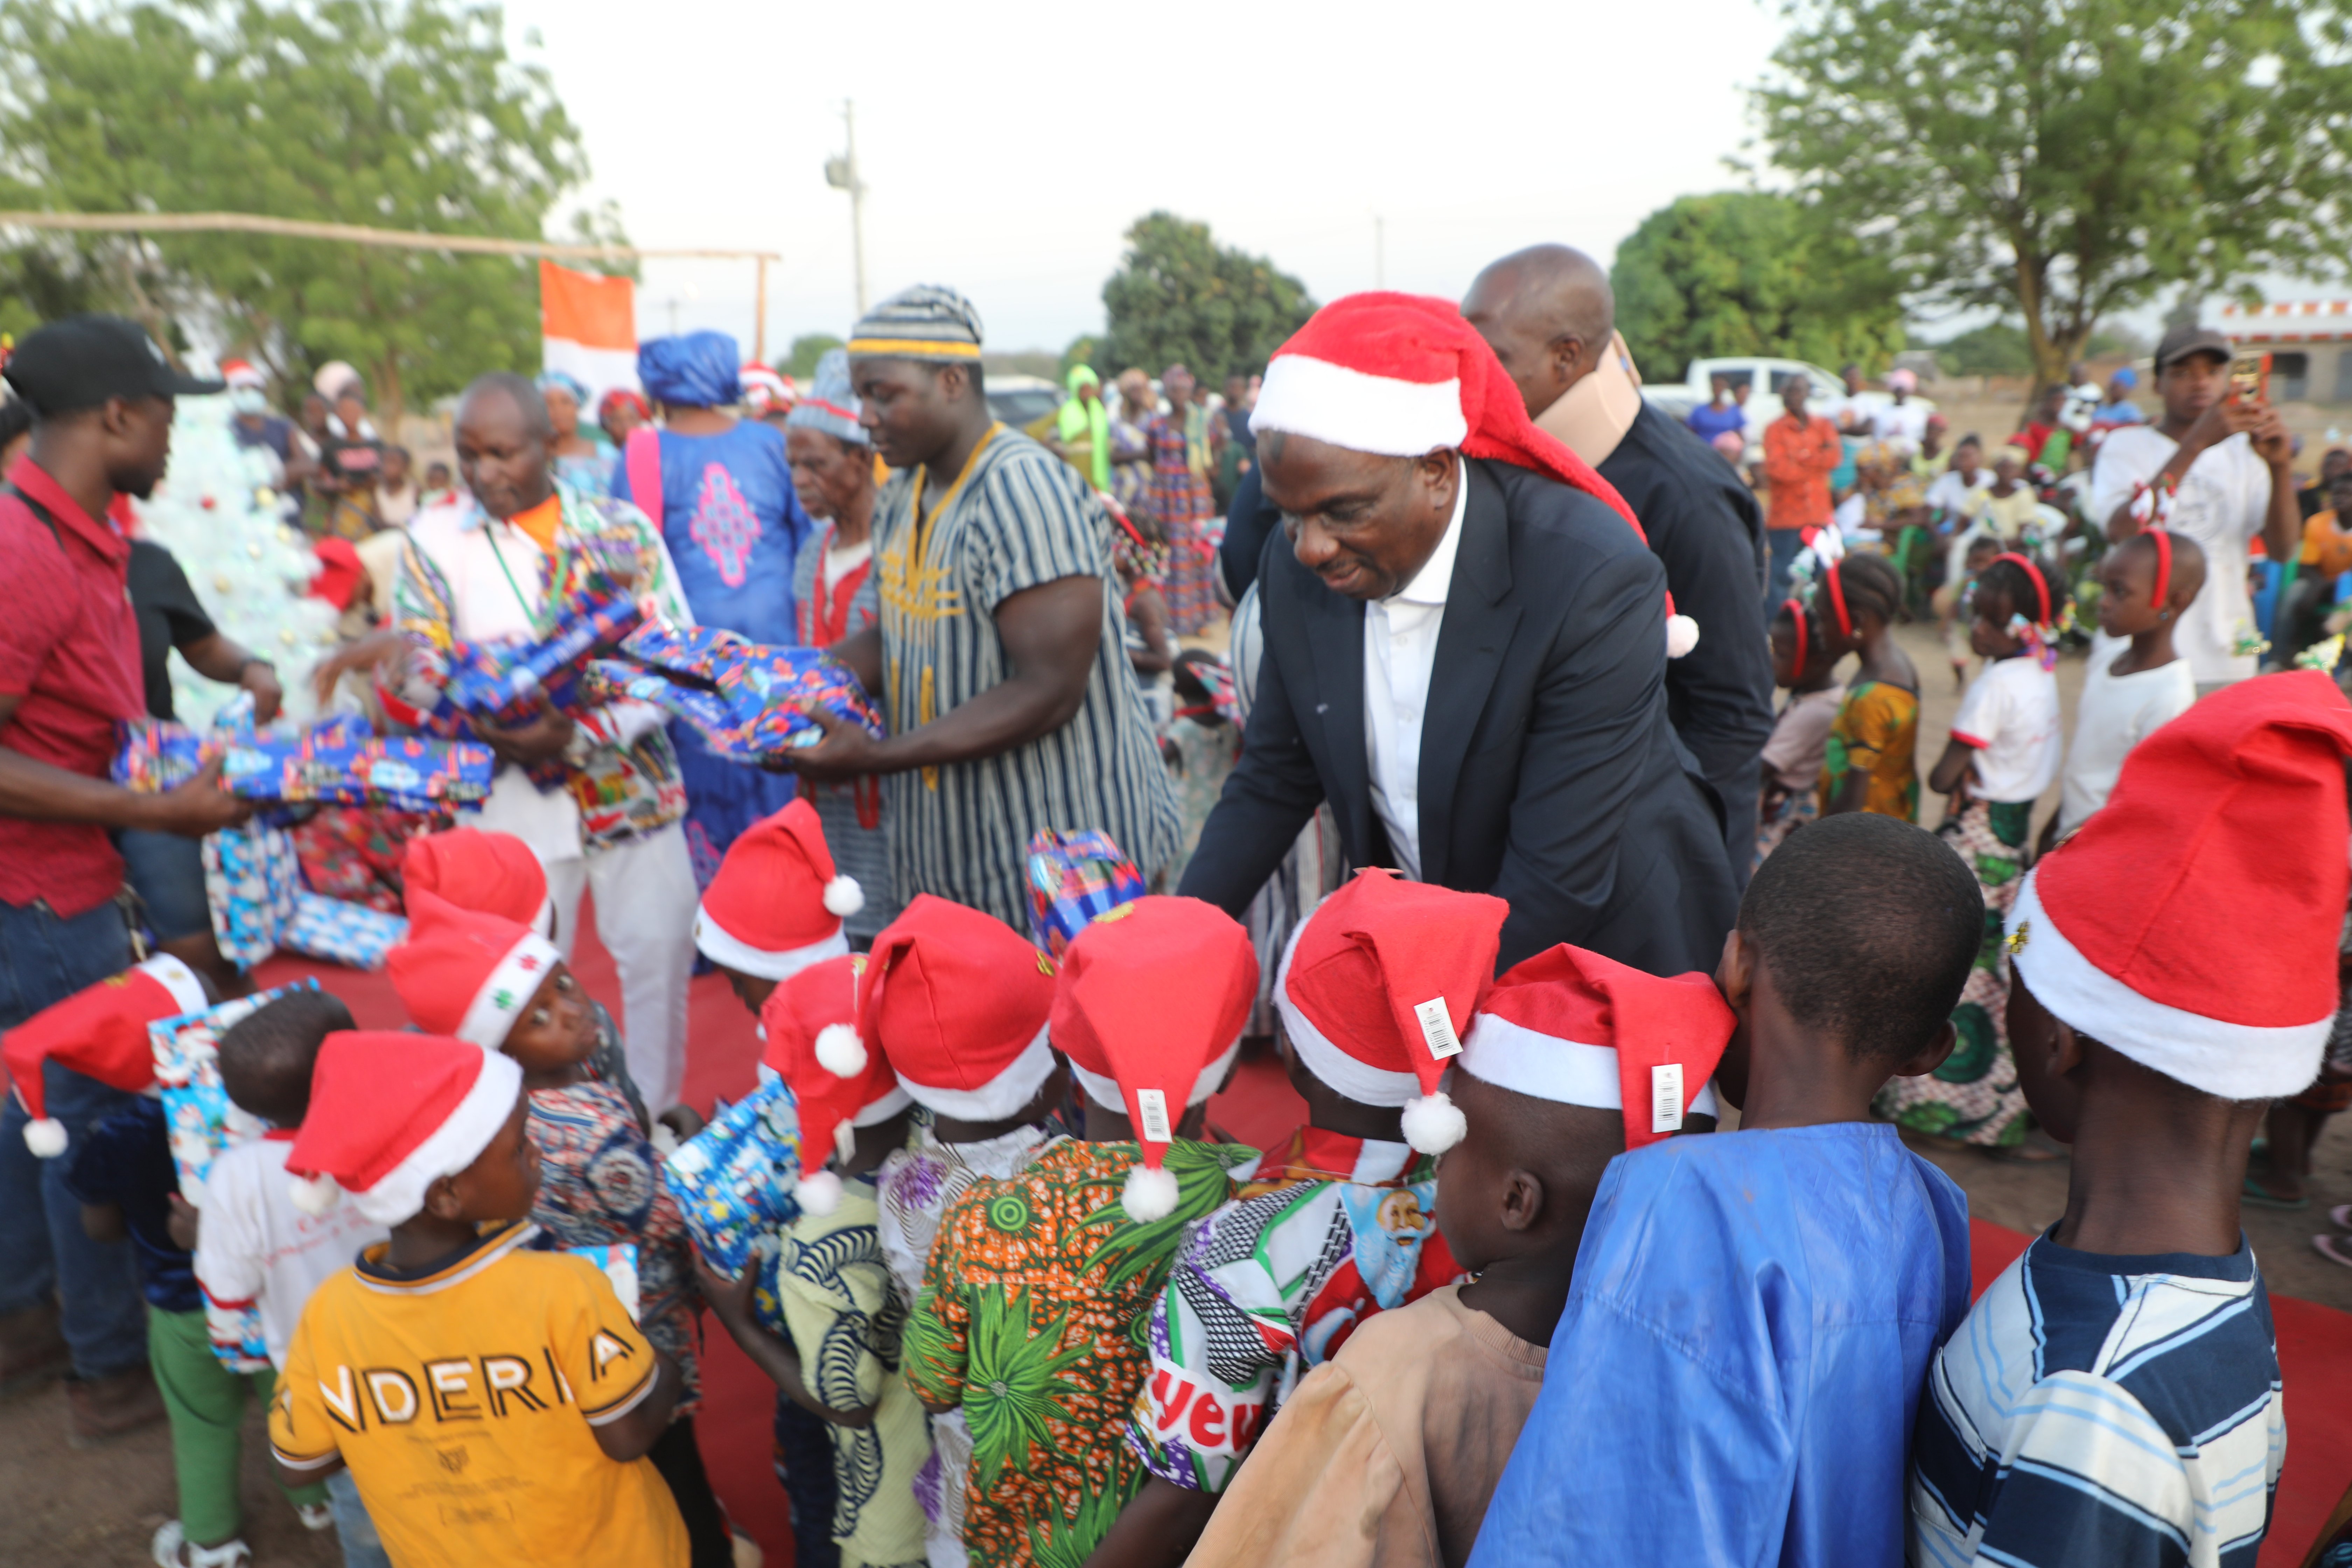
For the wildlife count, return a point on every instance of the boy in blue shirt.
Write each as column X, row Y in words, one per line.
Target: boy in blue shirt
column 1751, row 1314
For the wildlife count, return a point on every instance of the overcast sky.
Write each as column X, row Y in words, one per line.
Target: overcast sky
column 1007, row 149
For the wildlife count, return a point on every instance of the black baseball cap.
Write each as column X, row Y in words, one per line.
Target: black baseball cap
column 82, row 360
column 2184, row 340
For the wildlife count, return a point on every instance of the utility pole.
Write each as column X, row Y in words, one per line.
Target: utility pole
column 840, row 173
column 1380, row 251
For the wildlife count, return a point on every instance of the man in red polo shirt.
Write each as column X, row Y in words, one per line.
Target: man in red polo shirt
column 101, row 394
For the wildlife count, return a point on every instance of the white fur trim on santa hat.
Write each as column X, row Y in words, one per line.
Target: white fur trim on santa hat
column 1151, row 1193
column 1327, row 402
column 1105, row 1091
column 888, row 1106
column 723, row 947
column 508, row 992
column 2232, row 1061
column 1565, row 1072
column 178, row 979
column 843, row 897
column 399, row 1196
column 1359, row 1082
column 1000, row 1096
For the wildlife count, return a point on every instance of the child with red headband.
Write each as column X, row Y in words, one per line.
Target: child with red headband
column 1805, row 662
column 2144, row 584
column 1871, row 763
column 2004, row 752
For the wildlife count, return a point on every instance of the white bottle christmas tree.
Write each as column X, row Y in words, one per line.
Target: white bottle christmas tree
column 250, row 566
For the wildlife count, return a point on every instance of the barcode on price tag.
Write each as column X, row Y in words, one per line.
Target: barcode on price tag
column 1437, row 1028
column 1666, row 1098
column 1153, row 1104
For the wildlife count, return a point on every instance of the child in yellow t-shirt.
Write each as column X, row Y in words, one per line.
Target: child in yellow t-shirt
column 494, row 1405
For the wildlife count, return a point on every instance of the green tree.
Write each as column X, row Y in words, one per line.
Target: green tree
column 800, row 360
column 2065, row 160
column 1996, row 348
column 1750, row 272
column 407, row 114
column 1180, row 297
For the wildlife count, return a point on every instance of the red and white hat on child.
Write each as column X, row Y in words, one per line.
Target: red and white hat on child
column 495, row 873
column 466, row 974
column 1377, row 990
column 839, row 1085
column 99, row 1032
column 777, row 904
column 1404, row 376
column 2193, row 923
column 1150, row 1010
column 958, row 1002
column 393, row 1113
column 1576, row 1029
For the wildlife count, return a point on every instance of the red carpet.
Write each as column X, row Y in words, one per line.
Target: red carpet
column 1260, row 1107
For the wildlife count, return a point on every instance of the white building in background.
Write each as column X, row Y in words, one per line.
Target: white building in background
column 2309, row 342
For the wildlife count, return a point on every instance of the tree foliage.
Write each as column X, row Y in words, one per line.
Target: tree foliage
column 800, row 360
column 1996, row 348
column 1750, row 272
column 1180, row 297
column 2064, row 160
column 405, row 114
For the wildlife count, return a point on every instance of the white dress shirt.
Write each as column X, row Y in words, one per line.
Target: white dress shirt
column 1400, row 650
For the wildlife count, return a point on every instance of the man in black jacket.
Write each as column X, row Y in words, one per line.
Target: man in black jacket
column 1465, row 654
column 1549, row 317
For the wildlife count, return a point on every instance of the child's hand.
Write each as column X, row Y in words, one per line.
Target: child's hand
column 682, row 1120
column 183, row 1224
column 730, row 1299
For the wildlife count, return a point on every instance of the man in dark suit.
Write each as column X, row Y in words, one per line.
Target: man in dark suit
column 1464, row 653
column 1548, row 314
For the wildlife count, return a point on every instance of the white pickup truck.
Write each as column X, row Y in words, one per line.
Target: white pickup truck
column 1764, row 377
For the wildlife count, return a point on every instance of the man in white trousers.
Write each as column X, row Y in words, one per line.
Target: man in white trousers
column 596, row 797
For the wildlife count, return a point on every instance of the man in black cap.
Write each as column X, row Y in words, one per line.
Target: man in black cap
column 102, row 392
column 2216, row 468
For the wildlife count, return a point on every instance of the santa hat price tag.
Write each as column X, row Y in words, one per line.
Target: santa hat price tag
column 1437, row 1029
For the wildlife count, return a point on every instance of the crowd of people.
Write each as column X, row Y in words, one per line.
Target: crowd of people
column 1611, row 990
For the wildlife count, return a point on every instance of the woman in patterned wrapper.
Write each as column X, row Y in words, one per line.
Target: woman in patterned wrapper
column 734, row 527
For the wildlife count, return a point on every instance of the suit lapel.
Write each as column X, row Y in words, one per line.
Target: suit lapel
column 1335, row 642
column 1470, row 647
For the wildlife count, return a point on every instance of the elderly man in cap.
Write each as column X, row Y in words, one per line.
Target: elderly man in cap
column 100, row 393
column 2215, row 468
column 1549, row 316
column 997, row 659
column 1465, row 654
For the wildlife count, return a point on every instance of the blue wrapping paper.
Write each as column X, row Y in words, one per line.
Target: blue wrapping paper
column 617, row 1261
column 342, row 932
column 504, row 680
column 735, row 1180
column 1076, row 879
column 338, row 762
column 251, row 880
column 746, row 700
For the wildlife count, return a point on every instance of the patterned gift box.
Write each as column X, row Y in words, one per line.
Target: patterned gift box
column 342, row 762
column 618, row 1263
column 1074, row 879
column 251, row 880
column 152, row 755
column 735, row 1179
column 201, row 1121
column 503, row 681
column 342, row 932
column 745, row 699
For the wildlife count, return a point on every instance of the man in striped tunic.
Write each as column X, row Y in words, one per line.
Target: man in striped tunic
column 998, row 658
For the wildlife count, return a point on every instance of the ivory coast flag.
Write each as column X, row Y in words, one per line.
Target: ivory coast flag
column 589, row 328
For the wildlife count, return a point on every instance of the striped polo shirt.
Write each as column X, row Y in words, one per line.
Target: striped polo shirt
column 1018, row 517
column 2102, row 1409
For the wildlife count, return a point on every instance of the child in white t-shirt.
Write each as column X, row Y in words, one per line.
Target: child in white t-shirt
column 2130, row 691
column 2004, row 752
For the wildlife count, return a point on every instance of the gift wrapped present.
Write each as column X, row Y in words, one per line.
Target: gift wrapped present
column 152, row 755
column 251, row 878
column 735, row 1179
column 618, row 1263
column 746, row 700
column 1076, row 879
column 504, row 680
column 342, row 762
column 342, row 932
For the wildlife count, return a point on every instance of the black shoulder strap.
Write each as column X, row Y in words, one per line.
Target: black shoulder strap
column 38, row 510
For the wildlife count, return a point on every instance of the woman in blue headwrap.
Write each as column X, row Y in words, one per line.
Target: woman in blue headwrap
column 720, row 488
column 583, row 458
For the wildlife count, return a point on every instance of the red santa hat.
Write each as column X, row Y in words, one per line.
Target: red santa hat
column 1404, row 376
column 777, row 904
column 1577, row 1028
column 810, row 1022
column 391, row 1114
column 1377, row 990
column 957, row 1001
column 466, row 974
column 99, row 1032
column 495, row 873
column 241, row 374
column 1149, row 1011
column 2193, row 923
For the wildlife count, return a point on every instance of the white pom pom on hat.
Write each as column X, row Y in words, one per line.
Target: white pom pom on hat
column 1434, row 1123
column 46, row 1138
column 839, row 1050
column 819, row 1192
column 1149, row 1193
column 315, row 1195
column 843, row 897
column 1682, row 635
